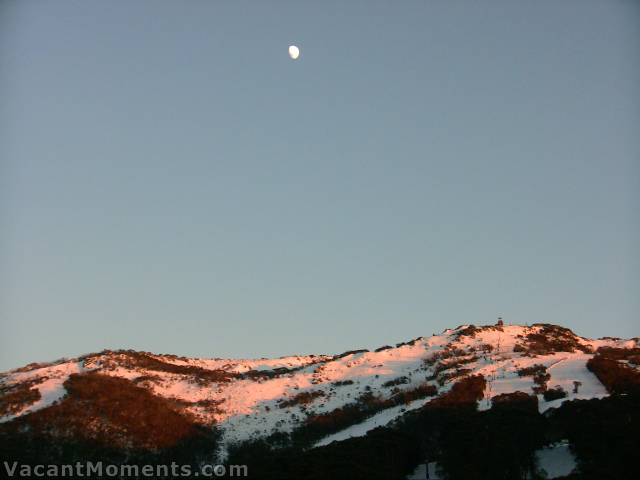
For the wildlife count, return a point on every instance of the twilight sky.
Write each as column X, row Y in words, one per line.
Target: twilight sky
column 171, row 181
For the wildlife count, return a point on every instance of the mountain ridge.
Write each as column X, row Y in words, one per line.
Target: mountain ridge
column 311, row 401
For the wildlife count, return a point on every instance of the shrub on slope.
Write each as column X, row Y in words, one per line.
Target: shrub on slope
column 100, row 417
column 15, row 398
column 548, row 339
column 616, row 376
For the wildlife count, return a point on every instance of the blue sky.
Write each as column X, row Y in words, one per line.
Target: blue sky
column 171, row 181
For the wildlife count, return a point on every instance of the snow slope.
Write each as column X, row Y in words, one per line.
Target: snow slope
column 248, row 399
column 571, row 368
column 49, row 383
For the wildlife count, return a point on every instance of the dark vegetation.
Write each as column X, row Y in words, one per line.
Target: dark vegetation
column 446, row 370
column 108, row 410
column 106, row 419
column 384, row 454
column 302, row 398
column 496, row 444
column 396, row 381
column 204, row 376
column 265, row 374
column 539, row 374
column 532, row 371
column 453, row 363
column 101, row 419
column 618, row 377
column 444, row 354
column 554, row 393
column 406, row 396
column 383, row 348
column 631, row 355
column 464, row 392
column 342, row 383
column 439, row 431
column 350, row 352
column 457, row 373
column 550, row 339
column 603, row 434
column 317, row 426
column 410, row 342
column 471, row 330
column 279, row 371
column 15, row 398
column 516, row 400
column 36, row 365
column 133, row 359
column 541, row 379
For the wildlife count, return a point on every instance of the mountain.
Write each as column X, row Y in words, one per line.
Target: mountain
column 467, row 399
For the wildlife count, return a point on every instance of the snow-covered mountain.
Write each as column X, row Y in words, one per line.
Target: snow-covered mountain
column 329, row 397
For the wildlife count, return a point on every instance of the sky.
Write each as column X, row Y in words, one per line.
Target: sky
column 171, row 181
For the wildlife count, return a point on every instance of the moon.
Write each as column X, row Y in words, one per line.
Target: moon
column 294, row 52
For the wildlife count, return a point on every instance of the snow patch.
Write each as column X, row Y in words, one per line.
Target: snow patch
column 556, row 460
